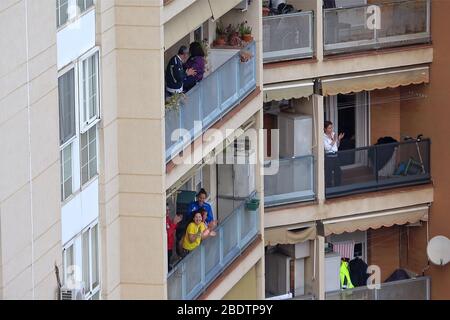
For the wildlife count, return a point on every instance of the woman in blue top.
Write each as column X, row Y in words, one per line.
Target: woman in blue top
column 202, row 204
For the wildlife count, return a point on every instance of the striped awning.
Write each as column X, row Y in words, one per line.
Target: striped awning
column 376, row 220
column 287, row 235
column 288, row 90
column 367, row 81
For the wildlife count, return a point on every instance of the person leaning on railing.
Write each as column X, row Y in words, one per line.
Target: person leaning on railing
column 331, row 143
column 195, row 62
column 175, row 72
column 195, row 233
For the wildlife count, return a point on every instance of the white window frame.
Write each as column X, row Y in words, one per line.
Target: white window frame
column 58, row 10
column 86, row 124
column 64, row 198
column 77, row 184
column 83, row 185
column 74, row 17
column 69, row 244
column 62, row 72
column 77, row 243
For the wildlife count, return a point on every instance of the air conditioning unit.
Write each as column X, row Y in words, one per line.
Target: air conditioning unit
column 73, row 293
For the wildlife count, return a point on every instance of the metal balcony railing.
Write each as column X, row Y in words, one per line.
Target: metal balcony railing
column 210, row 100
column 198, row 269
column 378, row 167
column 376, row 26
column 410, row 289
column 293, row 182
column 288, row 36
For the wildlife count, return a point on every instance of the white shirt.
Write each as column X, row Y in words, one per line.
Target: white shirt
column 328, row 144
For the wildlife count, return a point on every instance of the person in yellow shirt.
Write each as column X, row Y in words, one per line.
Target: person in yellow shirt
column 195, row 233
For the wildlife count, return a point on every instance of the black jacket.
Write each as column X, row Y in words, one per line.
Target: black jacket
column 175, row 74
column 358, row 272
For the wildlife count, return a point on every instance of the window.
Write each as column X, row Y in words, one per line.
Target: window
column 81, row 262
column 89, row 99
column 83, row 5
column 78, row 91
column 68, row 263
column 69, row 9
column 66, row 91
column 90, row 260
column 66, row 172
column 88, row 155
column 62, row 12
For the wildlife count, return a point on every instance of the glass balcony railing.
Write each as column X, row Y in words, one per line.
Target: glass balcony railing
column 190, row 277
column 376, row 26
column 293, row 182
column 377, row 167
column 410, row 289
column 210, row 100
column 288, row 36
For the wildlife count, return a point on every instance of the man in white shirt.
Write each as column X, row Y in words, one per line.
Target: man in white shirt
column 331, row 143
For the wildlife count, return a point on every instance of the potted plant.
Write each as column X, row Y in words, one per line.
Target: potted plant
column 221, row 34
column 233, row 35
column 246, row 32
column 252, row 204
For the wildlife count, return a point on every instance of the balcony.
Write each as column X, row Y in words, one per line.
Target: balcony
column 400, row 23
column 410, row 289
column 288, row 36
column 212, row 98
column 201, row 267
column 294, row 181
column 380, row 167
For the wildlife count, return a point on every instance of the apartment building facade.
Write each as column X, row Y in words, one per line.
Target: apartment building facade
column 374, row 69
column 91, row 156
column 85, row 214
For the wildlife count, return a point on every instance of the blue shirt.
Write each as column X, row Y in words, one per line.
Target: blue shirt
column 194, row 206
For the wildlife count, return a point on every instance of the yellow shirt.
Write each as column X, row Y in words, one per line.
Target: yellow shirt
column 193, row 229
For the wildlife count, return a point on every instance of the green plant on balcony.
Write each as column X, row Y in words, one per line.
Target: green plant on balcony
column 221, row 34
column 245, row 32
column 174, row 101
column 252, row 204
column 233, row 35
column 206, row 50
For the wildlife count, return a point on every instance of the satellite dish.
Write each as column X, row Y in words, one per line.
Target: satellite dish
column 438, row 250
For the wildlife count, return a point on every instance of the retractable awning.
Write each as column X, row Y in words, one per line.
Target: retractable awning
column 288, row 90
column 368, row 81
column 376, row 220
column 283, row 235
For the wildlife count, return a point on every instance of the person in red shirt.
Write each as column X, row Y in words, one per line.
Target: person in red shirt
column 171, row 226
